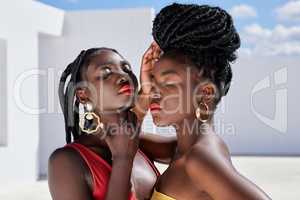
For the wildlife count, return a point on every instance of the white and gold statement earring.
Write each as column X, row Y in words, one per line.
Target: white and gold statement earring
column 202, row 112
column 90, row 122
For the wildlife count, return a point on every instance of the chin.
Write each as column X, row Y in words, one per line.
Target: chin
column 123, row 107
column 158, row 122
column 126, row 102
column 162, row 125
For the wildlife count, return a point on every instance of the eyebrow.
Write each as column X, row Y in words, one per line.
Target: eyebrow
column 169, row 71
column 104, row 63
column 122, row 62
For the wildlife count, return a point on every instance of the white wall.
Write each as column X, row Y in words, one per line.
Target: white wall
column 3, row 89
column 260, row 114
column 20, row 22
column 269, row 125
column 128, row 31
column 249, row 127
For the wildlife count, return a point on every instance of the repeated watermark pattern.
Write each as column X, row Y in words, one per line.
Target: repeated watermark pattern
column 277, row 122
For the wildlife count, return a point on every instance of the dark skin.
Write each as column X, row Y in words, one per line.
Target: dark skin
column 201, row 167
column 69, row 175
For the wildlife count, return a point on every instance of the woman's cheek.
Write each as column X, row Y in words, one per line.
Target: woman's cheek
column 171, row 103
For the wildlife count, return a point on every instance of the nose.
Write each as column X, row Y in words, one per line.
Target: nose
column 123, row 79
column 155, row 92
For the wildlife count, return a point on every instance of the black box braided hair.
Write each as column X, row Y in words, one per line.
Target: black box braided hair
column 67, row 89
column 204, row 34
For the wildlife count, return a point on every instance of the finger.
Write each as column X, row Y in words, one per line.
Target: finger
column 154, row 43
column 132, row 118
column 158, row 52
column 153, row 61
column 149, row 50
column 129, row 121
column 158, row 49
column 147, row 58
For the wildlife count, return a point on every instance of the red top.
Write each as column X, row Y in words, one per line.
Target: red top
column 100, row 170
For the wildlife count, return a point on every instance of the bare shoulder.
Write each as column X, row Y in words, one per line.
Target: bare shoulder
column 209, row 152
column 65, row 162
column 67, row 175
column 209, row 166
column 63, row 156
column 215, row 144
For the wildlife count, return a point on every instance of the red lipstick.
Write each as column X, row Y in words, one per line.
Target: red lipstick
column 126, row 89
column 154, row 107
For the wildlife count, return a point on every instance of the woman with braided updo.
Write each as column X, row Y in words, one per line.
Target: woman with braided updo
column 188, row 66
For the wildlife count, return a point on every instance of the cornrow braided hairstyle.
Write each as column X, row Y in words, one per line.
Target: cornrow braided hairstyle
column 204, row 34
column 66, row 91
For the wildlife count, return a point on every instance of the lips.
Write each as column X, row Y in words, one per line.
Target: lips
column 126, row 89
column 154, row 107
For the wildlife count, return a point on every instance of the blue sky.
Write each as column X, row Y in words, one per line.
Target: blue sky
column 264, row 8
column 270, row 26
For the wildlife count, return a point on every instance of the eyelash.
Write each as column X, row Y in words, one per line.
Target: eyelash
column 127, row 69
column 105, row 74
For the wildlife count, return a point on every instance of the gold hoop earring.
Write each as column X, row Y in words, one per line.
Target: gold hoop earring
column 199, row 112
column 90, row 122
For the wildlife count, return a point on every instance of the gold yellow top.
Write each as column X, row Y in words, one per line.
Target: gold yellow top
column 160, row 196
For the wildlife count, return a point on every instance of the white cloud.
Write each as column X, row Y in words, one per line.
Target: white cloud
column 243, row 11
column 280, row 40
column 254, row 33
column 289, row 11
column 281, row 32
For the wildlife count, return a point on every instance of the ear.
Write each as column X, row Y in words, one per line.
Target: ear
column 82, row 95
column 207, row 92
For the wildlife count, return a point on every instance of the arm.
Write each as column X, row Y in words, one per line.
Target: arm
column 119, row 183
column 123, row 143
column 68, row 178
column 213, row 172
column 158, row 148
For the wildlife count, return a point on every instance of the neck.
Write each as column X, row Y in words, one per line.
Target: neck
column 189, row 131
column 113, row 118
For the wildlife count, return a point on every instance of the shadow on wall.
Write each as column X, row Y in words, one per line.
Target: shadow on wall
column 3, row 89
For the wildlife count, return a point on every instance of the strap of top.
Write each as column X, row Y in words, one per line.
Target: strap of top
column 160, row 196
column 99, row 168
column 150, row 163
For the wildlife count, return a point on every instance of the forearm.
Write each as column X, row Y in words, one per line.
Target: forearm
column 119, row 183
column 141, row 105
column 158, row 148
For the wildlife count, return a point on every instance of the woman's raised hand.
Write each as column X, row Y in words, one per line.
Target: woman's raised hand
column 151, row 55
column 123, row 141
column 123, row 138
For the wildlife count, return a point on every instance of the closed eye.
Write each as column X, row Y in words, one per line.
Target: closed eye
column 166, row 84
column 170, row 81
